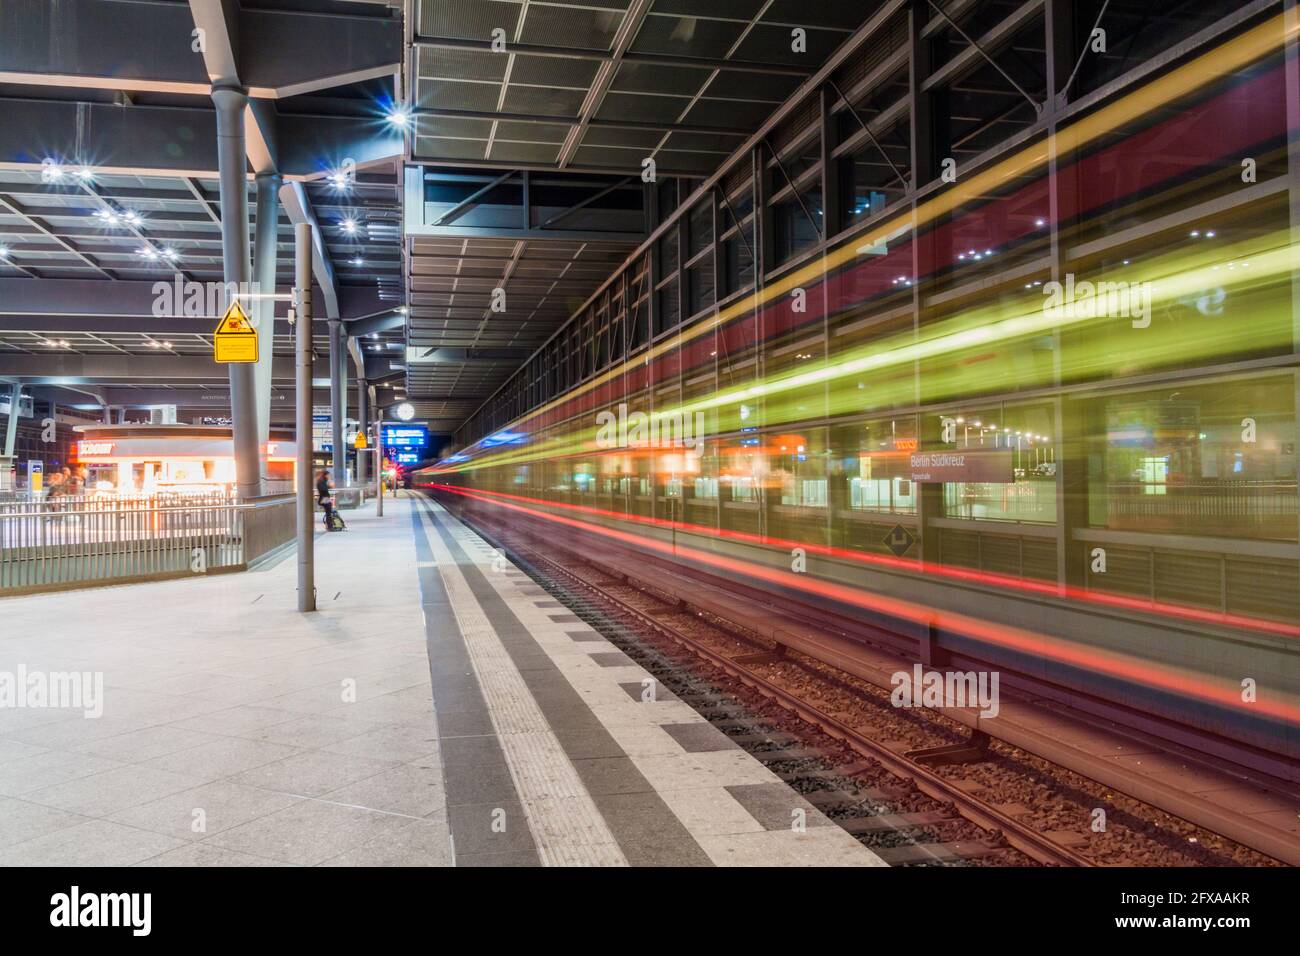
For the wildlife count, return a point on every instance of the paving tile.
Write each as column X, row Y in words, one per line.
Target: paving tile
column 423, row 843
column 104, row 793
column 21, row 820
column 312, row 772
column 28, row 774
column 611, row 775
column 699, row 737
column 315, row 732
column 648, row 832
column 774, row 805
column 16, row 750
column 308, row 832
column 94, row 843
column 221, row 757
column 517, row 858
column 203, row 855
column 613, row 659
column 414, row 788
column 400, row 742
column 638, row 690
column 237, row 721
column 139, row 745
column 224, row 805
column 709, row 811
column 818, row 846
column 477, row 828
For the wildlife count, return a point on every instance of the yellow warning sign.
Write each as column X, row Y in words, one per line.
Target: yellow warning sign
column 235, row 339
column 359, row 441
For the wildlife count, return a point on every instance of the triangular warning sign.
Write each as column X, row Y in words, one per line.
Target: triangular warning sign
column 235, row 340
column 235, row 321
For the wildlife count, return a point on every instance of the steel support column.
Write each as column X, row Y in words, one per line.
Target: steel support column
column 363, row 427
column 303, row 361
column 338, row 401
column 11, row 427
column 265, row 248
column 230, row 106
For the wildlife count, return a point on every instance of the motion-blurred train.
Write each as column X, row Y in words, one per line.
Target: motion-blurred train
column 1041, row 419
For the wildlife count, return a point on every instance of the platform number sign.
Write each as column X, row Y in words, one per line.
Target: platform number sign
column 235, row 340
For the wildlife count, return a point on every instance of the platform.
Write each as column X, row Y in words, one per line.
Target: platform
column 438, row 709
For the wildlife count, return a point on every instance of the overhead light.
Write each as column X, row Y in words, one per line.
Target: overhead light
column 107, row 215
column 147, row 252
column 374, row 335
column 154, row 345
column 85, row 174
column 171, row 255
column 339, row 180
column 132, row 217
column 404, row 411
column 167, row 345
column 4, row 252
column 63, row 343
column 399, row 117
column 52, row 171
column 357, row 260
column 349, row 226
column 401, row 310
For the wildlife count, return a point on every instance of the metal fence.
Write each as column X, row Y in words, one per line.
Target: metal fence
column 68, row 541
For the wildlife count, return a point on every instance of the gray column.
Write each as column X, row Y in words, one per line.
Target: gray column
column 302, row 369
column 11, row 427
column 363, row 426
column 338, row 400
column 231, row 105
column 265, row 250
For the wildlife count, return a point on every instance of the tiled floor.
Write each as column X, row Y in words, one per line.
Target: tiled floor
column 439, row 708
column 235, row 731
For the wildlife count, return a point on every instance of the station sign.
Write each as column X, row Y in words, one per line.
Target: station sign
column 405, row 436
column 235, row 341
column 94, row 449
column 990, row 467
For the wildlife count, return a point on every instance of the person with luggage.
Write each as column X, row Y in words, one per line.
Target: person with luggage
column 332, row 520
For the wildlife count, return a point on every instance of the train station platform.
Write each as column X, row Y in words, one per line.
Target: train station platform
column 438, row 709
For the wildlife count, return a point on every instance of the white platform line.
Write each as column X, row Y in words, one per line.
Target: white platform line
column 566, row 826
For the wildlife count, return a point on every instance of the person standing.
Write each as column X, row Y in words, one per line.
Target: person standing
column 323, row 496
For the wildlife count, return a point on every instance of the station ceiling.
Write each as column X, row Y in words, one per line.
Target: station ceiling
column 108, row 159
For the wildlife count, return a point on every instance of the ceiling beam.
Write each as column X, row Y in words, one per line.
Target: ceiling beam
column 171, row 140
column 151, row 47
column 650, row 59
column 627, row 31
column 298, row 208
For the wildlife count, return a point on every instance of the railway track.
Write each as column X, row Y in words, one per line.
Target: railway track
column 864, row 811
column 913, row 804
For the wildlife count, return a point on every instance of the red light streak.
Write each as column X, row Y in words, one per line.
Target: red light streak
column 1107, row 663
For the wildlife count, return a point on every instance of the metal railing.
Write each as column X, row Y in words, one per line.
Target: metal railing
column 86, row 539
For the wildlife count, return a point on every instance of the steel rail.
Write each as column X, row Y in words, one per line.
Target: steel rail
column 984, row 815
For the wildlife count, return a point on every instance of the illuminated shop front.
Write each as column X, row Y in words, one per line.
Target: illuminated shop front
column 182, row 459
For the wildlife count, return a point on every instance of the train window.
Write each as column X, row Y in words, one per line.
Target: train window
column 1211, row 460
column 874, row 460
column 1006, row 466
